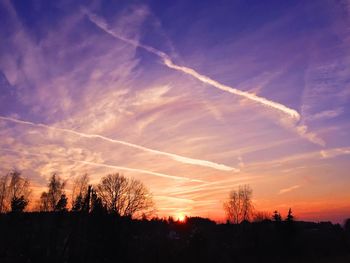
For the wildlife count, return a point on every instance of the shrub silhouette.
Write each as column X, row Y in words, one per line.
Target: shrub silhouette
column 61, row 205
column 18, row 204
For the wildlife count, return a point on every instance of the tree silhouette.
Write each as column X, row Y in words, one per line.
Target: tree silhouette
column 19, row 191
column 83, row 202
column 4, row 182
column 124, row 196
column 239, row 206
column 96, row 203
column 79, row 191
column 18, row 204
column 49, row 200
column 289, row 217
column 137, row 199
column 56, row 189
column 61, row 205
column 78, row 203
column 44, row 202
column 276, row 216
column 14, row 192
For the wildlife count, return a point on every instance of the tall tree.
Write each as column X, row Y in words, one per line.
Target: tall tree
column 4, row 182
column 50, row 199
column 290, row 216
column 77, row 204
column 44, row 202
column 61, row 205
column 239, row 206
column 124, row 196
column 97, row 206
column 79, row 191
column 56, row 190
column 112, row 190
column 14, row 192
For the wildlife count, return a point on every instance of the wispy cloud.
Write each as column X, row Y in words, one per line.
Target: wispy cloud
column 326, row 114
column 302, row 158
column 302, row 130
column 331, row 153
column 289, row 189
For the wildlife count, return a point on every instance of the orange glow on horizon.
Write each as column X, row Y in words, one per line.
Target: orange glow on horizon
column 181, row 218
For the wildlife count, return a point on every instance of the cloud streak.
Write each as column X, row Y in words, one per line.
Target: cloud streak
column 189, row 71
column 175, row 157
column 129, row 169
column 141, row 171
column 289, row 189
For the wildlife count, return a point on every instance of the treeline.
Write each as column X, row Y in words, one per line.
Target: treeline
column 113, row 194
column 239, row 208
column 93, row 237
column 105, row 224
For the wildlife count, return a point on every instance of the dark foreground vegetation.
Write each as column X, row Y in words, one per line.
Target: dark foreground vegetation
column 101, row 237
column 98, row 224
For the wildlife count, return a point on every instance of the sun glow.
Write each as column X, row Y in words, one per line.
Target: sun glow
column 181, row 218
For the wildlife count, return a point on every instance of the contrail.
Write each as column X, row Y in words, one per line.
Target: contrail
column 275, row 105
column 142, row 171
column 174, row 177
column 179, row 158
column 170, row 64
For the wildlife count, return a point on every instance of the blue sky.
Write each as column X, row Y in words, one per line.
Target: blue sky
column 60, row 69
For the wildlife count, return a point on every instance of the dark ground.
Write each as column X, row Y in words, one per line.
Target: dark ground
column 74, row 237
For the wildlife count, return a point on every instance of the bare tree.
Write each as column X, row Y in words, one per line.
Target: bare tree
column 80, row 186
column 246, row 194
column 112, row 189
column 14, row 192
column 233, row 207
column 239, row 205
column 79, row 191
column 137, row 198
column 44, row 202
column 50, row 199
column 4, row 182
column 19, row 192
column 124, row 196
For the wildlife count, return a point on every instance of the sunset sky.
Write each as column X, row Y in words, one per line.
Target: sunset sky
column 191, row 97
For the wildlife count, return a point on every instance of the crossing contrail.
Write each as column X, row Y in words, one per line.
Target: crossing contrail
column 205, row 79
column 179, row 158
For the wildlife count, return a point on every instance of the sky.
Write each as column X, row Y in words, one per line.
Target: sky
column 193, row 98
